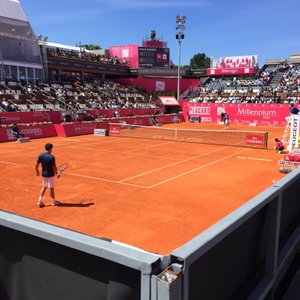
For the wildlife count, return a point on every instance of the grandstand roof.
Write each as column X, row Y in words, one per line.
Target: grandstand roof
column 12, row 9
column 62, row 46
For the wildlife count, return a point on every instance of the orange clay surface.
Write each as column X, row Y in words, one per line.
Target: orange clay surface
column 152, row 194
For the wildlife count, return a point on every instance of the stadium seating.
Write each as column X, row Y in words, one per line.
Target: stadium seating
column 17, row 96
column 272, row 84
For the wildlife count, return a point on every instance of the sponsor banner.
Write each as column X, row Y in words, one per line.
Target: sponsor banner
column 231, row 71
column 288, row 163
column 8, row 118
column 168, row 101
column 294, row 131
column 100, row 132
column 259, row 114
column 233, row 62
column 254, row 139
column 33, row 132
column 114, row 130
column 73, row 129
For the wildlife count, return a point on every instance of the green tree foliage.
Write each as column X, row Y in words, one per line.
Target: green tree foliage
column 200, row 61
column 92, row 47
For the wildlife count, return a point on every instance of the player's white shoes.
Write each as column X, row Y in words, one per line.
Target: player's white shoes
column 56, row 203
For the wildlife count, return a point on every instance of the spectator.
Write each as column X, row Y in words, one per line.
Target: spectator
column 293, row 109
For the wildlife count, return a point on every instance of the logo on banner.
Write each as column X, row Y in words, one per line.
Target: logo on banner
column 294, row 132
column 220, row 110
column 41, row 115
column 253, row 139
column 265, row 114
column 199, row 110
column 160, row 85
column 114, row 130
column 32, row 131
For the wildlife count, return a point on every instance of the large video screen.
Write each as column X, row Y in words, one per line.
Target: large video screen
column 154, row 57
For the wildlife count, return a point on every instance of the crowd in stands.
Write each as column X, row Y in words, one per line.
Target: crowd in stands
column 257, row 89
column 100, row 94
column 273, row 84
column 85, row 56
column 290, row 80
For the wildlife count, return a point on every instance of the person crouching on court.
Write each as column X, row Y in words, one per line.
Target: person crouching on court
column 16, row 131
column 279, row 145
column 49, row 171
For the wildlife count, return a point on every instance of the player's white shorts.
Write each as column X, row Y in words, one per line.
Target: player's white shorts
column 49, row 182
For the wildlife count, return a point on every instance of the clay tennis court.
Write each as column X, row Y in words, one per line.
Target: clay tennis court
column 152, row 194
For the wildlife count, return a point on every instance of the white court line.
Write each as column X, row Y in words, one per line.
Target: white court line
column 107, row 180
column 152, row 146
column 67, row 139
column 193, row 170
column 125, row 152
column 12, row 163
column 38, row 150
column 255, row 158
column 173, row 164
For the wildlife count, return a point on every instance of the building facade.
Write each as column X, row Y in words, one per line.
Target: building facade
column 20, row 55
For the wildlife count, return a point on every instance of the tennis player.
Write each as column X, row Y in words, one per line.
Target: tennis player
column 49, row 171
column 226, row 120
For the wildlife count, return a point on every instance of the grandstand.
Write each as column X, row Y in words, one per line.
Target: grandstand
column 60, row 91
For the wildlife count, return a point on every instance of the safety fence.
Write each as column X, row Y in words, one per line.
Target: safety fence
column 246, row 255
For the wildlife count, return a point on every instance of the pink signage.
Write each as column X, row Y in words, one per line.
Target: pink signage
column 260, row 114
column 73, row 129
column 231, row 71
column 168, row 100
column 30, row 117
column 31, row 131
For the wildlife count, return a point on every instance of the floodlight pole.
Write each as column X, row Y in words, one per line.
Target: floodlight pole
column 180, row 21
column 178, row 73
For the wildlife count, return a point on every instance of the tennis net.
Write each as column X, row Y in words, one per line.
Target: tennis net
column 249, row 139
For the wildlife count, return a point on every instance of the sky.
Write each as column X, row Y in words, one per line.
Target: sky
column 267, row 28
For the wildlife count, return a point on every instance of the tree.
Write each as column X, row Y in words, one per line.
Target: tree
column 200, row 61
column 92, row 47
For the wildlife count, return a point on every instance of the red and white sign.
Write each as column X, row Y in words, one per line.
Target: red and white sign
column 168, row 101
column 233, row 62
column 114, row 130
column 260, row 114
column 30, row 117
column 73, row 129
column 231, row 71
column 33, row 132
column 294, row 120
column 254, row 139
column 233, row 65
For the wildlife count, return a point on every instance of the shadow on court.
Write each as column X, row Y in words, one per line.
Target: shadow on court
column 76, row 204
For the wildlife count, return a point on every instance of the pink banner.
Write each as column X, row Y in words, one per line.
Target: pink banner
column 73, row 129
column 30, row 117
column 31, row 131
column 260, row 114
column 231, row 71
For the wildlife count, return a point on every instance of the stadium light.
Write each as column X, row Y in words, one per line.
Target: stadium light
column 180, row 21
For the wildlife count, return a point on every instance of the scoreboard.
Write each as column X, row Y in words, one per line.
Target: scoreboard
column 154, row 57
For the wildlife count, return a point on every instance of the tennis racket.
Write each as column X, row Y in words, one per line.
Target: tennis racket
column 61, row 169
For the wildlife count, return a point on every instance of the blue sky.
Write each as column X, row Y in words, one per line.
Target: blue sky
column 268, row 28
